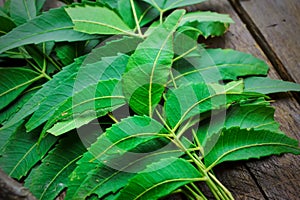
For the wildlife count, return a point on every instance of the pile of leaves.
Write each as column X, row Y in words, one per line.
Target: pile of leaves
column 117, row 100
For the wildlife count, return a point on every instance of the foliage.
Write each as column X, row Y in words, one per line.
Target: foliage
column 94, row 102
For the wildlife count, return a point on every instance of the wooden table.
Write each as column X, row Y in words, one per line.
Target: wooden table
column 270, row 30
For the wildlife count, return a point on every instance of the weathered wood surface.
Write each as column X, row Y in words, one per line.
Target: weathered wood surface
column 278, row 21
column 274, row 177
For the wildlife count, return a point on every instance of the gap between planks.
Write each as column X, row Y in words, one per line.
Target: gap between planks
column 264, row 45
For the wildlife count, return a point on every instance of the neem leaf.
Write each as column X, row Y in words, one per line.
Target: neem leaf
column 125, row 136
column 6, row 24
column 257, row 117
column 213, row 65
column 87, row 75
column 109, row 148
column 47, row 180
column 6, row 132
column 190, row 100
column 160, row 179
column 52, row 92
column 242, row 144
column 103, row 179
column 67, row 52
column 97, row 20
column 79, row 174
column 205, row 23
column 163, row 5
column 122, row 45
column 88, row 104
column 23, row 151
column 22, row 11
column 266, row 85
column 148, row 68
column 15, row 80
column 54, row 25
column 145, row 12
column 8, row 112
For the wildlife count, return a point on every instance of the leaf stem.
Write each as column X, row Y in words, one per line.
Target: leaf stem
column 185, row 53
column 112, row 117
column 161, row 17
column 199, row 191
column 197, row 196
column 136, row 19
column 227, row 192
column 173, row 79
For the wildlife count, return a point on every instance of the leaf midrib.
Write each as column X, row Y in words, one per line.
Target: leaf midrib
column 211, row 67
column 169, row 181
column 128, row 165
column 35, row 34
column 204, row 99
column 105, row 25
column 123, row 139
column 249, row 146
column 22, row 84
column 60, row 171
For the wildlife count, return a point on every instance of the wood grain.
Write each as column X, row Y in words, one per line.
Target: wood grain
column 276, row 177
column 279, row 23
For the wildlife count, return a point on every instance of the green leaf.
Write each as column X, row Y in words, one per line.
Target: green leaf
column 14, row 81
column 54, row 25
column 6, row 24
column 79, row 174
column 6, row 132
column 8, row 112
column 213, row 65
column 97, row 20
column 205, row 23
column 242, row 144
column 84, row 106
column 145, row 12
column 103, row 179
column 257, row 117
column 159, row 179
column 122, row 149
column 194, row 99
column 148, row 68
column 22, row 152
column 39, row 5
column 267, row 86
column 67, row 52
column 125, row 136
column 22, row 11
column 163, row 5
column 47, row 180
column 123, row 45
column 86, row 76
column 53, row 92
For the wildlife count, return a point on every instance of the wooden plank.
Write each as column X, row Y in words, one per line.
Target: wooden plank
column 275, row 176
column 278, row 22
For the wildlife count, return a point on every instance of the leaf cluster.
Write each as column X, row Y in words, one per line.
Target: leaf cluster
column 116, row 99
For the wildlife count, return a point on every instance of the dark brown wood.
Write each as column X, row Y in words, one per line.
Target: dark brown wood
column 12, row 190
column 276, row 177
column 275, row 26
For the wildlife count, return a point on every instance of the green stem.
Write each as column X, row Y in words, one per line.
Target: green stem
column 136, row 19
column 112, row 117
column 197, row 196
column 185, row 53
column 53, row 62
column 226, row 191
column 199, row 191
column 173, row 80
column 161, row 17
column 44, row 59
